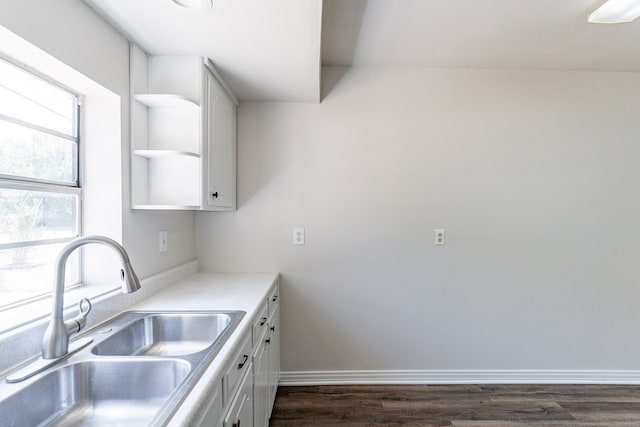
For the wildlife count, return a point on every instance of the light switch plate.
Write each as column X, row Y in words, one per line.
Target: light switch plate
column 438, row 237
column 163, row 243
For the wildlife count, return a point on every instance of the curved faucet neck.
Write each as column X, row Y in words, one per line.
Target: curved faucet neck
column 61, row 262
column 56, row 337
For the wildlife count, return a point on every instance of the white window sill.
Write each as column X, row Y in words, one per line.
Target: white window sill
column 40, row 310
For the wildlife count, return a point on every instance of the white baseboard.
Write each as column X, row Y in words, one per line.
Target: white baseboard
column 458, row 377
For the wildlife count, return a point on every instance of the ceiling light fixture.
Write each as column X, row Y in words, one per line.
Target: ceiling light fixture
column 615, row 12
column 194, row 4
column 189, row 4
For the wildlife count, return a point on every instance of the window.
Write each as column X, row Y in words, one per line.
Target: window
column 40, row 194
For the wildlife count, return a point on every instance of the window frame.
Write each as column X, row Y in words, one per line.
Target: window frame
column 17, row 182
column 75, row 140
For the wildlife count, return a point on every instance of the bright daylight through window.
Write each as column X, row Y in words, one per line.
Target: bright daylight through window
column 39, row 182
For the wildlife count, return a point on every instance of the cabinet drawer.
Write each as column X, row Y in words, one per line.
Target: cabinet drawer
column 238, row 367
column 241, row 411
column 274, row 299
column 260, row 324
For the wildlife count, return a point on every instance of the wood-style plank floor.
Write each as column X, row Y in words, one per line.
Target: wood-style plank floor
column 458, row 405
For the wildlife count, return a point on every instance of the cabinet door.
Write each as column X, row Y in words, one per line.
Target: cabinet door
column 220, row 162
column 274, row 358
column 261, row 383
column 212, row 413
column 241, row 412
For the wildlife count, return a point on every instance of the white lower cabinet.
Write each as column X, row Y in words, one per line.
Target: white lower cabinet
column 261, row 382
column 266, row 360
column 246, row 393
column 274, row 357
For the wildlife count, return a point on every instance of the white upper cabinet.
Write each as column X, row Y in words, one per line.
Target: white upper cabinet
column 220, row 151
column 183, row 135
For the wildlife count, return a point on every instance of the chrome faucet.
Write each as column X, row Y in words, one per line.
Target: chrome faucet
column 56, row 338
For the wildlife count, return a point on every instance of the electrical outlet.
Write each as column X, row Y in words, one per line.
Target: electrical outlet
column 438, row 237
column 298, row 236
column 163, row 243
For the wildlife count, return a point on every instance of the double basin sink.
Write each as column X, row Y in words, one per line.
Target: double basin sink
column 137, row 370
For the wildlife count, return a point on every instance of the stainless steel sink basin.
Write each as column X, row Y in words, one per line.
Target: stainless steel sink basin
column 107, row 383
column 91, row 393
column 174, row 334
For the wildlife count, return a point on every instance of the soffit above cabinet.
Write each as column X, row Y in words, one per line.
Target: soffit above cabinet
column 264, row 50
column 496, row 34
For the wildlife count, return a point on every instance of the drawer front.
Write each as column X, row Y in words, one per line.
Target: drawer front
column 260, row 324
column 236, row 371
column 241, row 411
column 274, row 299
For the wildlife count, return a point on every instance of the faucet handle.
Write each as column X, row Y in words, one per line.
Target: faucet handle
column 77, row 323
column 84, row 307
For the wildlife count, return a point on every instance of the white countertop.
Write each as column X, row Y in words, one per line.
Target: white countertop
column 212, row 291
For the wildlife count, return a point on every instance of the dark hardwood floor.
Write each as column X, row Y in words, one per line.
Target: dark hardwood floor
column 458, row 405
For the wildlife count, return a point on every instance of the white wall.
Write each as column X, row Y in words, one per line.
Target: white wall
column 534, row 176
column 71, row 32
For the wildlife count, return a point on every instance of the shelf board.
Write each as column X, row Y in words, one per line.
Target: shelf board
column 154, row 154
column 166, row 207
column 165, row 100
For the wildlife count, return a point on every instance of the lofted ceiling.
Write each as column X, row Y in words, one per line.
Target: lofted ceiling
column 273, row 49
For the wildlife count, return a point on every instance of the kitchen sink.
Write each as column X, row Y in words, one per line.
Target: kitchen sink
column 114, row 392
column 173, row 334
column 137, row 370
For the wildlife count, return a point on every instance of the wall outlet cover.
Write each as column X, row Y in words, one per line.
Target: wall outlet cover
column 298, row 236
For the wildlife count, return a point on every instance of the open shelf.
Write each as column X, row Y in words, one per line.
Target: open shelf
column 164, row 100
column 154, row 154
column 165, row 207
